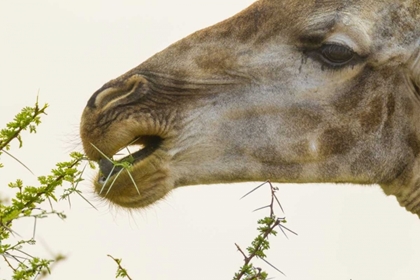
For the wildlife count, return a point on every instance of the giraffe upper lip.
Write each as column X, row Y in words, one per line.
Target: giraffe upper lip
column 110, row 167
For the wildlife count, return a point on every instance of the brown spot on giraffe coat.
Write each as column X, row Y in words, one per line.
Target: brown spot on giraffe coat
column 334, row 141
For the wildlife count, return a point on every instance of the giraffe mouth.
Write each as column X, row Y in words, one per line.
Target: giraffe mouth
column 110, row 167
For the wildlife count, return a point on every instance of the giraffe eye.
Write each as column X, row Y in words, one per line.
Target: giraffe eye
column 336, row 55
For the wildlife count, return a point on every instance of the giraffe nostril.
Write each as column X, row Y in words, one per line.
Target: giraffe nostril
column 91, row 101
column 117, row 92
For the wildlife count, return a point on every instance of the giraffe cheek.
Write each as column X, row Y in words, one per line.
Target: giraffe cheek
column 313, row 147
column 336, row 141
column 306, row 150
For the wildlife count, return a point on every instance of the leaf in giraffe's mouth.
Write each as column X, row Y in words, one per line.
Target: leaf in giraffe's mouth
column 148, row 144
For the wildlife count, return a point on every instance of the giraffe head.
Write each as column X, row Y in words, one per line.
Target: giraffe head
column 287, row 90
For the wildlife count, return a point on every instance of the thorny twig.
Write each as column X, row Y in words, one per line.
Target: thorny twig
column 121, row 272
column 261, row 242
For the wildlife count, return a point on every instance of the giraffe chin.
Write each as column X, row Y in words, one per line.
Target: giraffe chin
column 407, row 196
column 411, row 201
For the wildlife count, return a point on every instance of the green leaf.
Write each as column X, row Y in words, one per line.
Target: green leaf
column 10, row 216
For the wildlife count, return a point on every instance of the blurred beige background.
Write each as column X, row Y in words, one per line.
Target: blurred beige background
column 68, row 49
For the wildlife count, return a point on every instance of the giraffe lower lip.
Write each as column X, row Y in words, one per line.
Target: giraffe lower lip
column 110, row 168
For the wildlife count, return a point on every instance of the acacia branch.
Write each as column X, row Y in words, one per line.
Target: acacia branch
column 36, row 112
column 258, row 247
column 260, row 243
column 121, row 271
